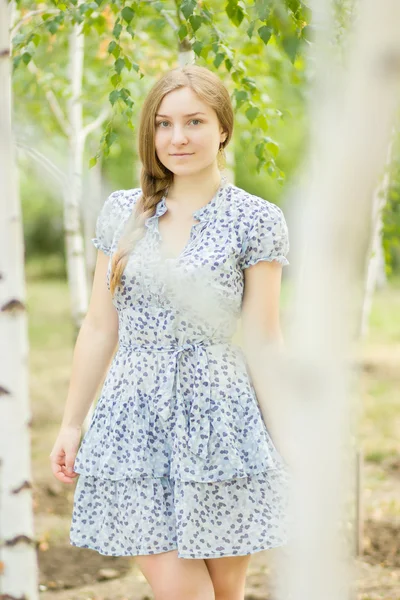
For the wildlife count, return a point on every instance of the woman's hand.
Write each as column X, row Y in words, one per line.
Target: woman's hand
column 64, row 452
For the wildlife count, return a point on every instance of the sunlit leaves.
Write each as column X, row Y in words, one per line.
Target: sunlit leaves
column 269, row 28
column 236, row 11
column 290, row 45
column 117, row 29
column 252, row 113
column 187, row 8
column 127, row 14
column 265, row 33
column 241, row 96
column 196, row 22
column 182, row 32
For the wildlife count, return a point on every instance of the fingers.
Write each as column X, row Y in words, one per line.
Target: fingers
column 62, row 467
column 60, row 473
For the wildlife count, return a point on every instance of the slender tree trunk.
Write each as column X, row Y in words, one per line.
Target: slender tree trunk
column 76, row 267
column 375, row 254
column 18, row 559
column 91, row 208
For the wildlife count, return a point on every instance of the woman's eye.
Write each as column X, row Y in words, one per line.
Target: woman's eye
column 191, row 121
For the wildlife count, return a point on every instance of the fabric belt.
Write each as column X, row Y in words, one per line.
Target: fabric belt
column 194, row 432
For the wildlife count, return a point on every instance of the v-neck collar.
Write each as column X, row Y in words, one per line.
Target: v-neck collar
column 203, row 213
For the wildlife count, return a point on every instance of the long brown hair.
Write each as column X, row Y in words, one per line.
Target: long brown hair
column 155, row 178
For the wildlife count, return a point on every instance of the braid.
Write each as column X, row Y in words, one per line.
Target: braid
column 153, row 190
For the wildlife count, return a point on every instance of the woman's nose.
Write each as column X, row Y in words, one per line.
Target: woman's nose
column 178, row 136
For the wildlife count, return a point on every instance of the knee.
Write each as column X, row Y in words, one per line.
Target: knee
column 229, row 591
column 180, row 594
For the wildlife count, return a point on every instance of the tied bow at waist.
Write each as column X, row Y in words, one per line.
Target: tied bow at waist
column 196, row 432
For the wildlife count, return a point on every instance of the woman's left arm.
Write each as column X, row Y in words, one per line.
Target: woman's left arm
column 262, row 337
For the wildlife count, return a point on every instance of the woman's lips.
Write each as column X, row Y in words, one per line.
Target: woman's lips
column 181, row 155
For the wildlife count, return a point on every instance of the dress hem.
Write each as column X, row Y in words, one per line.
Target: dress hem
column 186, row 556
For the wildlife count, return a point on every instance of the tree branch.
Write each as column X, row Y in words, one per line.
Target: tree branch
column 58, row 175
column 28, row 16
column 53, row 102
column 96, row 123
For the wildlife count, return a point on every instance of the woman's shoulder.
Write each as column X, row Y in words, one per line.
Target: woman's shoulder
column 249, row 206
column 123, row 199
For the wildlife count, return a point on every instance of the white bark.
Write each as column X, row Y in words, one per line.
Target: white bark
column 91, row 209
column 375, row 255
column 312, row 382
column 19, row 572
column 74, row 241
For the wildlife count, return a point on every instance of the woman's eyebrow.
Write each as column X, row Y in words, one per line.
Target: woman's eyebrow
column 189, row 115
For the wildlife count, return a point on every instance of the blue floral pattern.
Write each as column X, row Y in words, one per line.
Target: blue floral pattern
column 177, row 455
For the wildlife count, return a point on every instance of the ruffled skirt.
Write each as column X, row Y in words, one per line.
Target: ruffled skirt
column 130, row 517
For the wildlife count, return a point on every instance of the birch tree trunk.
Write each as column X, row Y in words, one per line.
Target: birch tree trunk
column 375, row 255
column 76, row 268
column 309, row 389
column 18, row 559
column 91, row 209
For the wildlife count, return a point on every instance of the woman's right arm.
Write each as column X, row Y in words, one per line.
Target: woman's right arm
column 95, row 345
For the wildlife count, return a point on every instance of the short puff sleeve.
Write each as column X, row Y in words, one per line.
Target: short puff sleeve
column 267, row 238
column 110, row 217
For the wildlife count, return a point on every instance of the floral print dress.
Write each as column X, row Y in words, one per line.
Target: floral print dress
column 177, row 455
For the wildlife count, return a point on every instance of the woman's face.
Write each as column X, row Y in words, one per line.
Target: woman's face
column 188, row 134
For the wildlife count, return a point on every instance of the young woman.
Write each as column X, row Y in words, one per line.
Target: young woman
column 177, row 462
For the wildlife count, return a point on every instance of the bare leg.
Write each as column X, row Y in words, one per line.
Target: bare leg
column 173, row 578
column 228, row 575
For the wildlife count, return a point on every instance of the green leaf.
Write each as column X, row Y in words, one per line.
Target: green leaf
column 228, row 64
column 265, row 33
column 115, row 79
column 219, row 59
column 235, row 12
column 128, row 63
column 188, row 7
column 131, row 31
column 52, row 26
column 196, row 21
column 259, row 151
column 111, row 47
column 250, row 29
column 117, row 30
column 249, row 83
column 119, row 65
column 273, row 148
column 111, row 137
column 183, row 31
column 241, row 96
column 252, row 113
column 92, row 162
column 126, row 97
column 127, row 14
column 290, row 45
column 19, row 38
column 16, row 61
column 26, row 58
column 197, row 47
column 262, row 9
column 114, row 96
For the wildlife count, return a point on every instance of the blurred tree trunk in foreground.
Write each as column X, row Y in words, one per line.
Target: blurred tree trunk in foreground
column 18, row 559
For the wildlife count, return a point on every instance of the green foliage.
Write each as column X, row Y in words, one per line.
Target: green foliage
column 43, row 219
column 391, row 215
column 200, row 25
